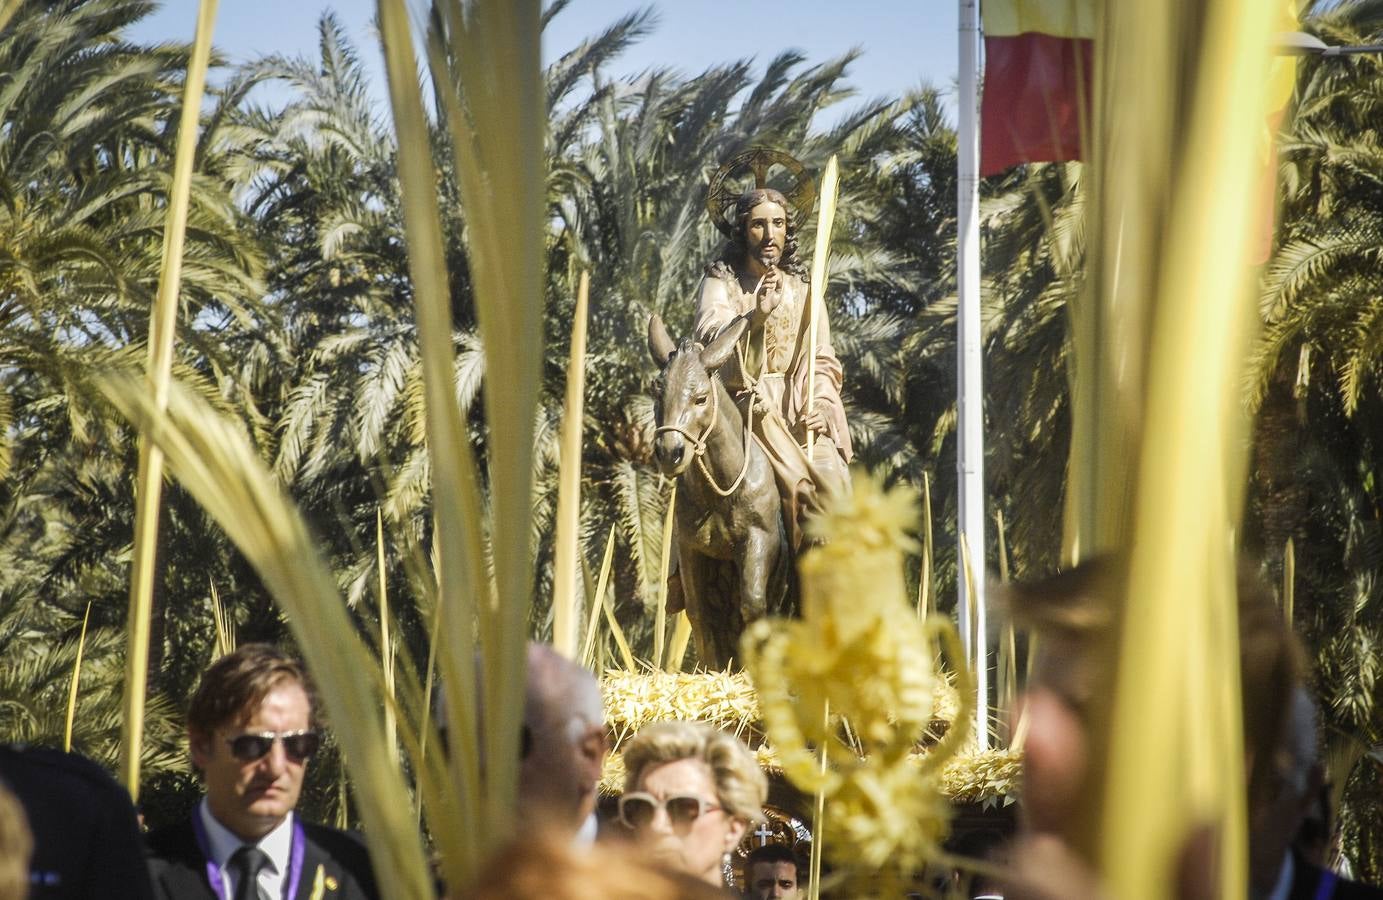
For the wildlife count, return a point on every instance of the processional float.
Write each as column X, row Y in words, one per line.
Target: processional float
column 868, row 742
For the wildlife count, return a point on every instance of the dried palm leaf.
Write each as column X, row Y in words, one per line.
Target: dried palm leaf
column 162, row 324
column 566, row 606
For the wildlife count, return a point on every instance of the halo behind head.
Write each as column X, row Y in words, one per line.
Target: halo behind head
column 722, row 195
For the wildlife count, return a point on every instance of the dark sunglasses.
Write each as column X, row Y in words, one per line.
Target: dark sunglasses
column 299, row 745
column 637, row 809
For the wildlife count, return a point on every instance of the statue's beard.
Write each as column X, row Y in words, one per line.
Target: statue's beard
column 769, row 254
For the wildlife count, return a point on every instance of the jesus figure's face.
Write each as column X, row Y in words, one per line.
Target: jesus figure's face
column 766, row 232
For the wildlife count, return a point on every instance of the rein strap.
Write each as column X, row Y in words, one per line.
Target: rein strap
column 699, row 444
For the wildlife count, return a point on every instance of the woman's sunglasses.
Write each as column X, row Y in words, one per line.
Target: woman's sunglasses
column 637, row 809
column 299, row 745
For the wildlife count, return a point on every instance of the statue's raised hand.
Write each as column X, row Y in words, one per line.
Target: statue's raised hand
column 769, row 293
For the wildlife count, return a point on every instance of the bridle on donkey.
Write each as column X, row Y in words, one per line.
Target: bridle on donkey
column 699, row 443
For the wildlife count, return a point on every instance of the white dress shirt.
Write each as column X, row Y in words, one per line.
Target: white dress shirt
column 277, row 845
column 1284, row 879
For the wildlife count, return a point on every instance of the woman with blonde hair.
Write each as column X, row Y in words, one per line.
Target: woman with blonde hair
column 690, row 794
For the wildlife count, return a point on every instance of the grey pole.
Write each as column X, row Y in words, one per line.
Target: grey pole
column 970, row 393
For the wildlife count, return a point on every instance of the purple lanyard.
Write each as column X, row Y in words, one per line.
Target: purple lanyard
column 1325, row 888
column 213, row 871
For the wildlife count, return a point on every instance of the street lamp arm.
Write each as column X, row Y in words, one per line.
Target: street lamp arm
column 1354, row 50
column 1299, row 43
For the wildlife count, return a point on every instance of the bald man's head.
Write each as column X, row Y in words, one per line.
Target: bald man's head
column 564, row 739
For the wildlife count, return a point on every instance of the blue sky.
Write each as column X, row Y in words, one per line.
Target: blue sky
column 904, row 42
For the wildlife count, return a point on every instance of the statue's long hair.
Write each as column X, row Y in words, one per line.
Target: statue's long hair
column 734, row 251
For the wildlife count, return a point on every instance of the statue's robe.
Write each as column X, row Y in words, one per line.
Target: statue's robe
column 774, row 370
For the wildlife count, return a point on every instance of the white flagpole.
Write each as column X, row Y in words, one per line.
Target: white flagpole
column 970, row 393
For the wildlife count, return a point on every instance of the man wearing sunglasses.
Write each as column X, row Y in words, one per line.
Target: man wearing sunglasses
column 252, row 728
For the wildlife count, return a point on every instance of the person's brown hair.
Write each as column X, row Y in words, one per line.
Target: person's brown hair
column 1078, row 604
column 1074, row 602
column 546, row 865
column 238, row 682
column 774, row 854
column 1272, row 664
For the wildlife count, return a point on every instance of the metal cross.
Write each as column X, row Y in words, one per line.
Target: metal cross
column 763, row 833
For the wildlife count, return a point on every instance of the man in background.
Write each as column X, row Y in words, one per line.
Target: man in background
column 562, row 748
column 774, row 872
column 252, row 729
column 1278, row 809
column 564, row 745
column 1072, row 615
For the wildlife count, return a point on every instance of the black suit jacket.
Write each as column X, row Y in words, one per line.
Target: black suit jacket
column 178, row 868
column 1306, row 882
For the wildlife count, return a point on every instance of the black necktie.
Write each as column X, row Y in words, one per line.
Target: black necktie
column 246, row 863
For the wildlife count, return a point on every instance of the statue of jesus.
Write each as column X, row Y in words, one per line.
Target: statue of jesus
column 759, row 272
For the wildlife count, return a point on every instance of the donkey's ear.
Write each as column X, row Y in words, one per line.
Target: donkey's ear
column 718, row 351
column 660, row 343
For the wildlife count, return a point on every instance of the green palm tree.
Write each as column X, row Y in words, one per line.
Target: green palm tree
column 627, row 161
column 34, row 684
column 87, row 123
column 1033, row 249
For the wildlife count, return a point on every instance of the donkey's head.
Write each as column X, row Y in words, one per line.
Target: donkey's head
column 687, row 404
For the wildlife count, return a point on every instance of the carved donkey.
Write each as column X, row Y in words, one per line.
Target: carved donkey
column 732, row 550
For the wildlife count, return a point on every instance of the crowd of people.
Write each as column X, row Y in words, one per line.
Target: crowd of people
column 690, row 797
column 67, row 830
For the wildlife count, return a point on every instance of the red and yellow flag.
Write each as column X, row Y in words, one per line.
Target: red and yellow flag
column 1038, row 78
